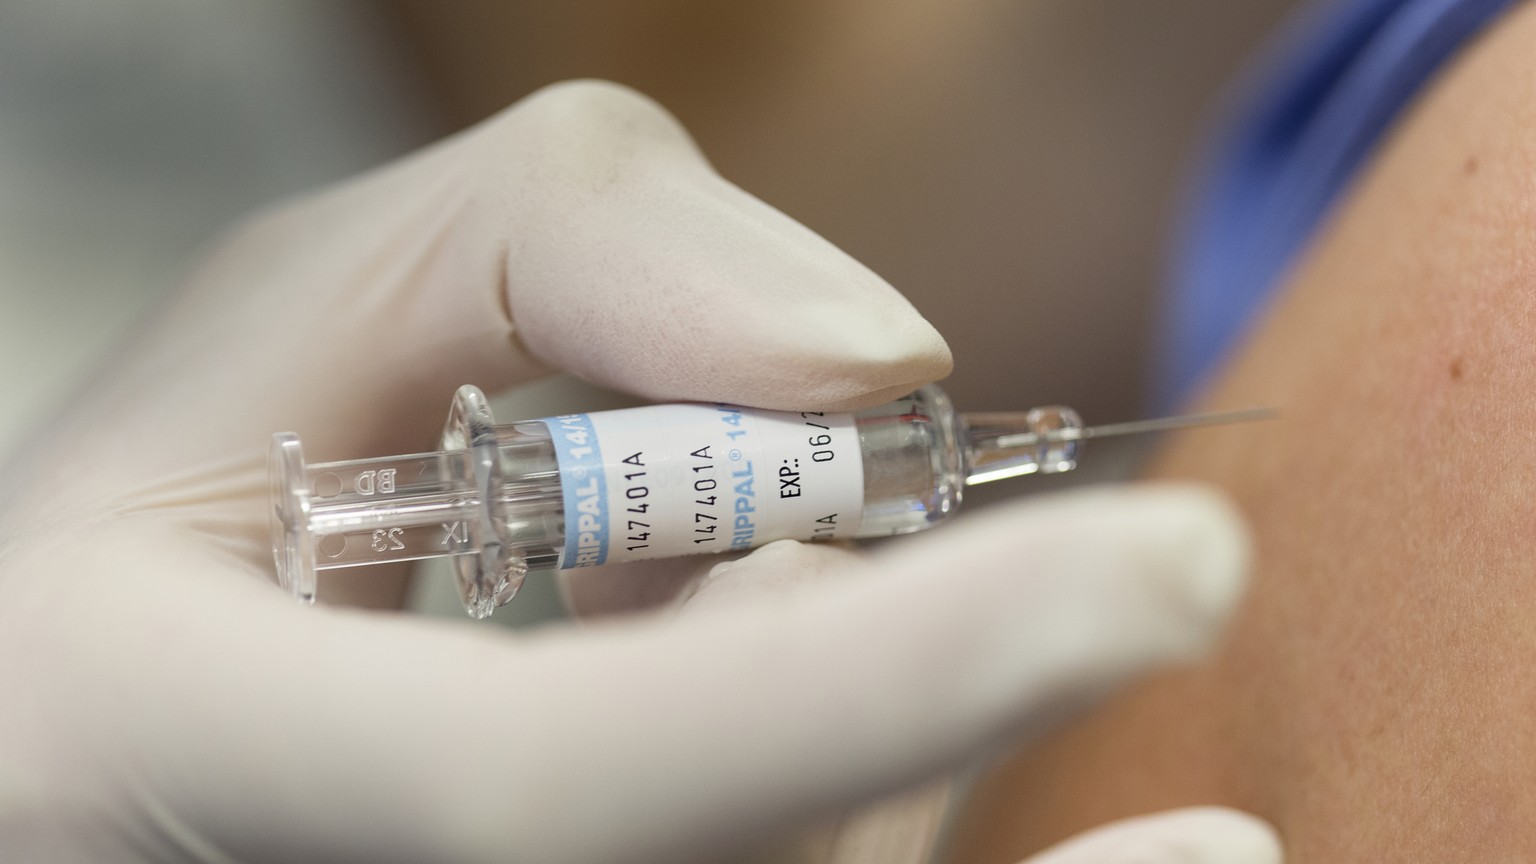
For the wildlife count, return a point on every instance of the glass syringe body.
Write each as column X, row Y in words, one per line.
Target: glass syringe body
column 657, row 481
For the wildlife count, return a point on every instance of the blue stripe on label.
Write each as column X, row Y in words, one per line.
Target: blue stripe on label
column 584, row 488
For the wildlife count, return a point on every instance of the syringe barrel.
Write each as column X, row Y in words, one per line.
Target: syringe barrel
column 597, row 488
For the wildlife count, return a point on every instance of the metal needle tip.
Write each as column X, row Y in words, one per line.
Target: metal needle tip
column 1162, row 424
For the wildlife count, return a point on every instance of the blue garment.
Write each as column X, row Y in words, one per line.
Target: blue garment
column 1329, row 88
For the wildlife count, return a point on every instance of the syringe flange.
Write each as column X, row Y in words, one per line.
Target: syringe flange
column 459, row 487
column 293, row 544
column 491, row 577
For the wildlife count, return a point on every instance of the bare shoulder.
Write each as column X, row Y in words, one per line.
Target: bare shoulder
column 1373, row 695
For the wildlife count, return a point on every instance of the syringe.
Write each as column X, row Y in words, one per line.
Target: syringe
column 663, row 480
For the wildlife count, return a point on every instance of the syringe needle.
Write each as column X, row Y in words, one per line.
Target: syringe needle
column 1185, row 421
column 1139, row 427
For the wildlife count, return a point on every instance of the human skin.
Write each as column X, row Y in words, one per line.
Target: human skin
column 1374, row 694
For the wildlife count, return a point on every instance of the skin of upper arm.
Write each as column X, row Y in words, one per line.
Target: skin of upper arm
column 1376, row 693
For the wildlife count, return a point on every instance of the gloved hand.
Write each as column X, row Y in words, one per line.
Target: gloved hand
column 164, row 701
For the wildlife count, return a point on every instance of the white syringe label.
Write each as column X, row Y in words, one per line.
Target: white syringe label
column 670, row 480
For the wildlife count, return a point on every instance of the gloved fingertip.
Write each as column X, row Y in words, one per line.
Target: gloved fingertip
column 1047, row 604
column 1198, row 835
column 633, row 264
column 1204, row 553
column 1182, row 567
column 1168, row 561
column 845, row 356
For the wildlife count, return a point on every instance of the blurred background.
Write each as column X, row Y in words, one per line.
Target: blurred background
column 1012, row 167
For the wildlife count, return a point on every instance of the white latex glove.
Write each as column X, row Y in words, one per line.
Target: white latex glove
column 1201, row 835
column 164, row 701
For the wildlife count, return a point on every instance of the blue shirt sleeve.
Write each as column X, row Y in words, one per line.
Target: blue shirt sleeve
column 1312, row 110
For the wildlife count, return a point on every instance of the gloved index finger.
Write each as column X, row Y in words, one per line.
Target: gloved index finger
column 697, row 290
